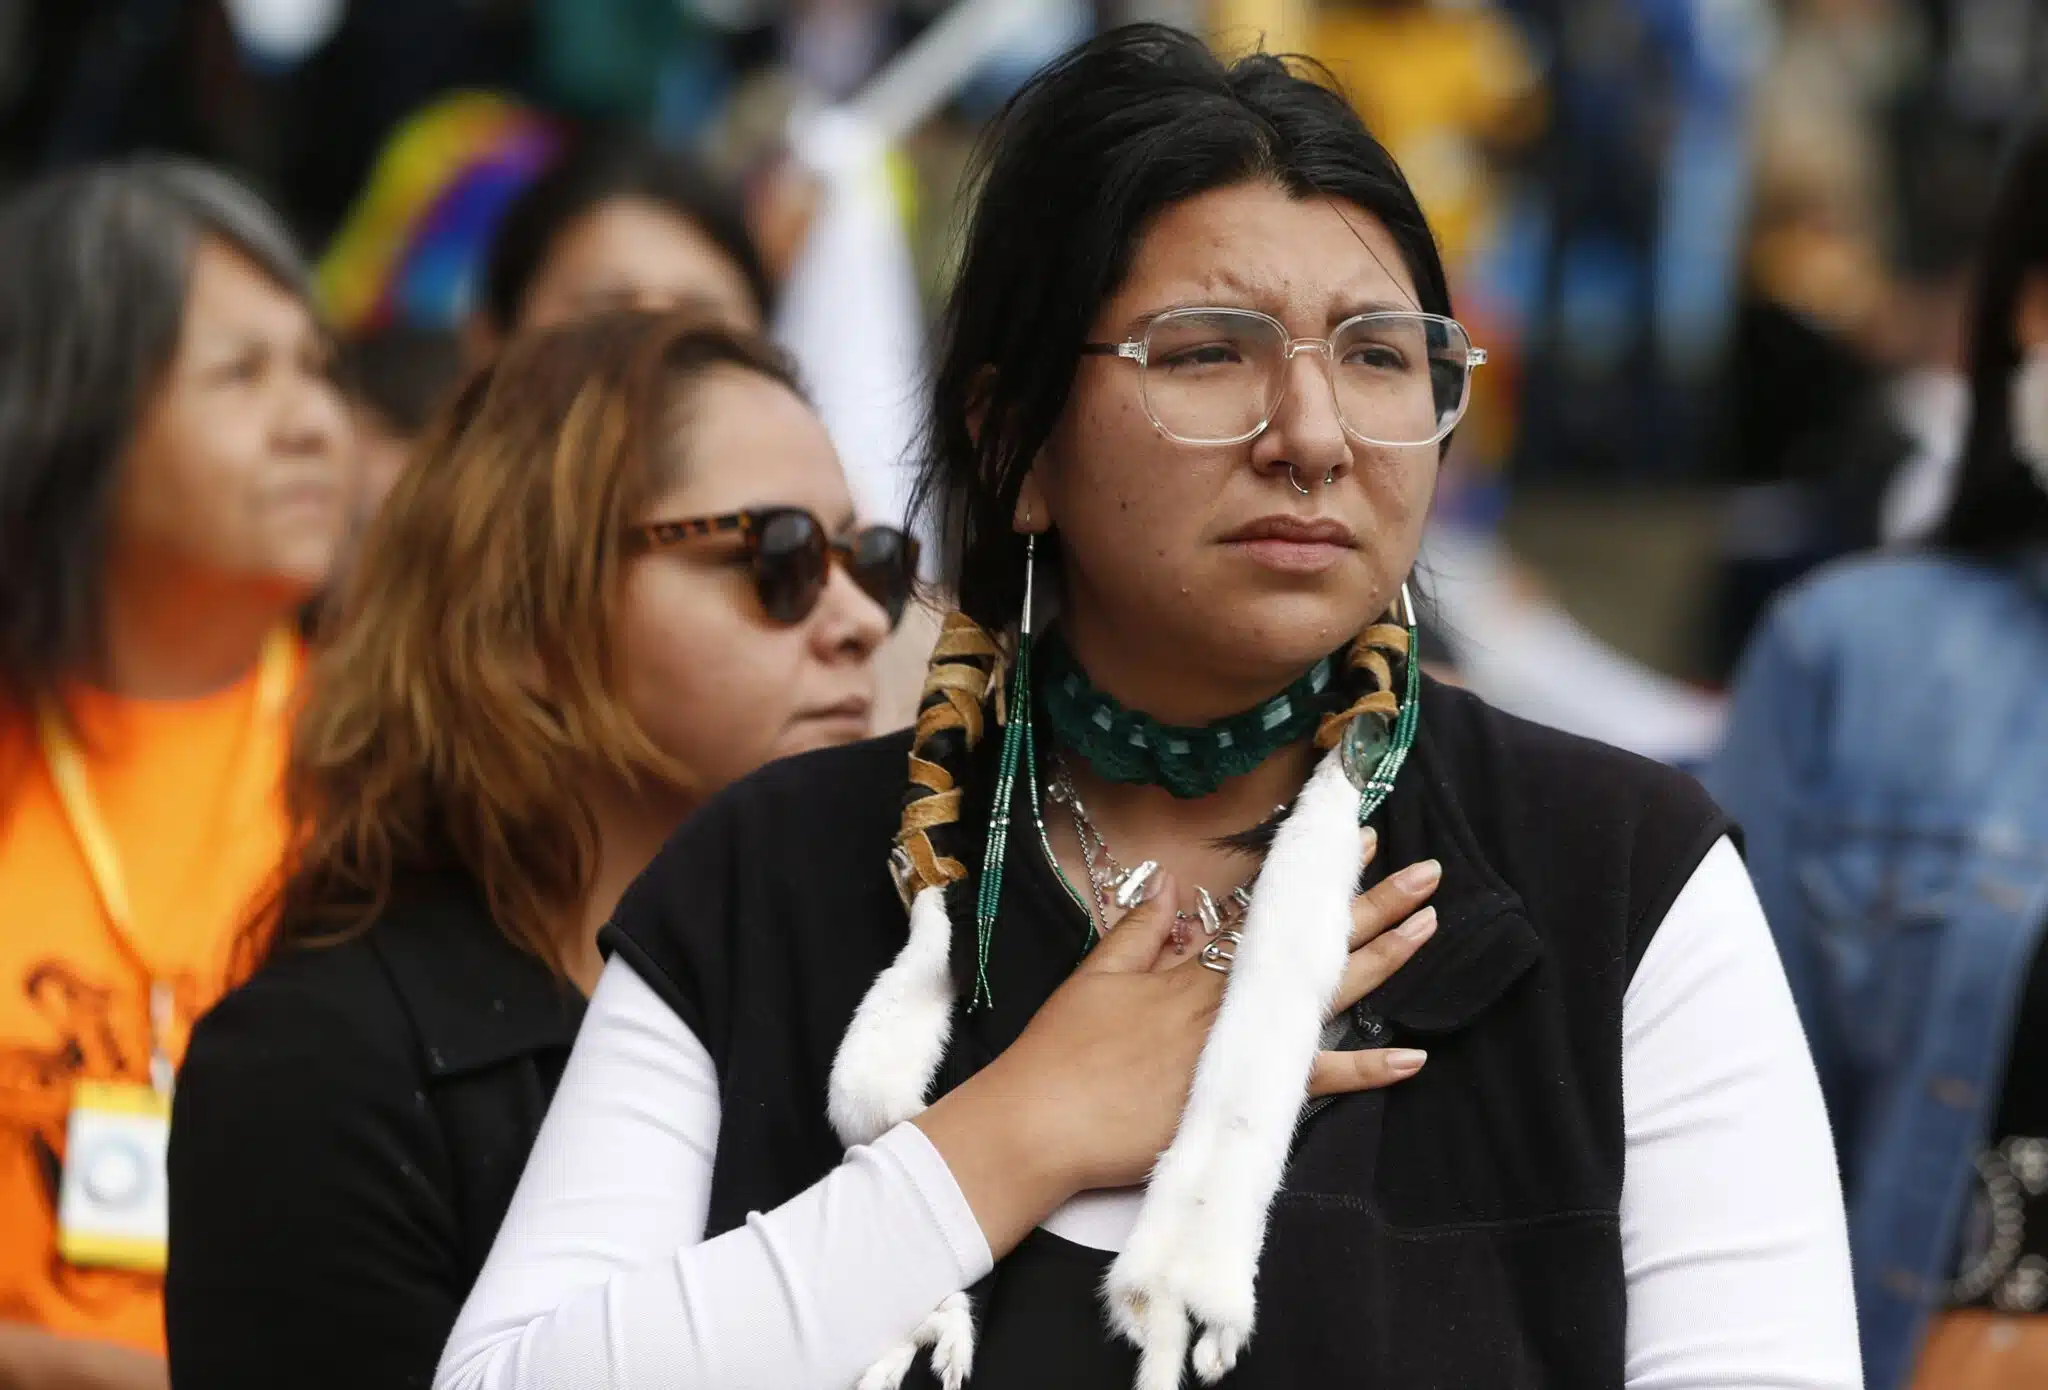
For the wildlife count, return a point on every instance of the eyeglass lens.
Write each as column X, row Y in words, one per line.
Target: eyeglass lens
column 883, row 561
column 789, row 565
column 792, row 559
column 1217, row 376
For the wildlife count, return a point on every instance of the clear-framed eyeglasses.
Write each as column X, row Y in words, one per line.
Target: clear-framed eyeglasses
column 1218, row 376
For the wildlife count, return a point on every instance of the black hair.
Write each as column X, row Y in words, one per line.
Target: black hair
column 402, row 373
column 1076, row 166
column 597, row 169
column 1072, row 171
column 95, row 264
column 1999, row 505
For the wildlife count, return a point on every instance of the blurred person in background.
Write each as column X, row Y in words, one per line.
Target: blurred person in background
column 625, row 573
column 1888, row 755
column 616, row 223
column 396, row 378
column 1824, row 200
column 1851, row 391
column 1451, row 89
column 173, row 489
column 1819, row 325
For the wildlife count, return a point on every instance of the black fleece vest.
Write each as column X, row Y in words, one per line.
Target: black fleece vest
column 1457, row 1231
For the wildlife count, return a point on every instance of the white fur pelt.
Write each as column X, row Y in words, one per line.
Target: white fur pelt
column 1188, row 1269
column 892, row 1049
column 1187, row 1273
column 881, row 1075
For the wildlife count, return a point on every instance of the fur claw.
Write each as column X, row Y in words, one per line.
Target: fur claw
column 1163, row 1350
column 952, row 1340
column 948, row 1330
column 1216, row 1354
column 889, row 1369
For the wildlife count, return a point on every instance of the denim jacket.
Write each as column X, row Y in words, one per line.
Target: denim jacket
column 1887, row 756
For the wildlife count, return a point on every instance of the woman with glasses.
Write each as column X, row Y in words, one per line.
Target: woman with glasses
column 625, row 573
column 1196, row 984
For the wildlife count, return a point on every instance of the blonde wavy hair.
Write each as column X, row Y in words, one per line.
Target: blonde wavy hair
column 466, row 690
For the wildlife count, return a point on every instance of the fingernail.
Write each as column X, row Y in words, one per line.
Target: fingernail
column 1406, row 1061
column 1419, row 927
column 1139, row 885
column 1418, row 878
column 1372, row 842
column 1163, row 886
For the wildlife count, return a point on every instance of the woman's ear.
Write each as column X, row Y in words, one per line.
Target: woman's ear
column 1032, row 515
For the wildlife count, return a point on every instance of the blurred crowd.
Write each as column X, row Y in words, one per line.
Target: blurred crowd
column 363, row 363
column 1719, row 246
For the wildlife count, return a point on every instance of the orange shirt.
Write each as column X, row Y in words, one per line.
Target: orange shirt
column 189, row 794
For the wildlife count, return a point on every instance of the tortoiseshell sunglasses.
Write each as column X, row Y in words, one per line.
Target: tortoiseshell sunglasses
column 792, row 554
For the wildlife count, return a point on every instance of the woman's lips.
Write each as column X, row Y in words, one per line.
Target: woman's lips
column 1292, row 557
column 318, row 497
column 1293, row 544
column 853, row 717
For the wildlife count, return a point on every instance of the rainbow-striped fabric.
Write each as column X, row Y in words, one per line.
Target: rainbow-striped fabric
column 412, row 244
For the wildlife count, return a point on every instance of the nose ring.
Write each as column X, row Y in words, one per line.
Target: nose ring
column 1295, row 479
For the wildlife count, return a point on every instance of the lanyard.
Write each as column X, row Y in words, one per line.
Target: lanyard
column 103, row 857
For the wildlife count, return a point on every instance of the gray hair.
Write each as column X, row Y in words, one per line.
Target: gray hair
column 94, row 269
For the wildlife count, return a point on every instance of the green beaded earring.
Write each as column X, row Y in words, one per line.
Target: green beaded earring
column 1018, row 746
column 1371, row 753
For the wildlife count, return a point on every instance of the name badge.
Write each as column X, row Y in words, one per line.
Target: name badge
column 113, row 1209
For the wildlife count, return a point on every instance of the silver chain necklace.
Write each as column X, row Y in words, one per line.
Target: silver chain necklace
column 1114, row 885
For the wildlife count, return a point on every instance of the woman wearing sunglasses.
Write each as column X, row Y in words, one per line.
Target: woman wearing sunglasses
column 1234, row 997
column 625, row 573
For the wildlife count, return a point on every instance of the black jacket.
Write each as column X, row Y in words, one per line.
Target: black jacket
column 348, row 1131
column 1460, row 1230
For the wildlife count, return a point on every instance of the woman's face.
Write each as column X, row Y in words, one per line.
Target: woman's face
column 633, row 253
column 717, row 684
column 239, row 467
column 1156, row 580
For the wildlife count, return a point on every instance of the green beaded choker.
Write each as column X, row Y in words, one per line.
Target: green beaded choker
column 1122, row 745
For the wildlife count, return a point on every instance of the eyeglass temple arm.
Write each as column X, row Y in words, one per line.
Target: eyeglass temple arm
column 1134, row 348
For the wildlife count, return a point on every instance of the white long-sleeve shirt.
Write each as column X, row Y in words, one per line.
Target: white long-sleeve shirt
column 1734, row 1245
